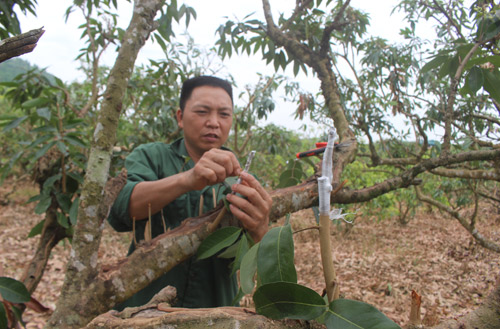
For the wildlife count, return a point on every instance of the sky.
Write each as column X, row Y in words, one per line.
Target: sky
column 60, row 43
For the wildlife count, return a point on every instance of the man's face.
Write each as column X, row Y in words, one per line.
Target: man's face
column 206, row 120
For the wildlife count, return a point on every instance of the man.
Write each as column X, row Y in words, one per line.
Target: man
column 168, row 180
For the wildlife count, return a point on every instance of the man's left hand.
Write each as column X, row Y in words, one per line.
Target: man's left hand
column 252, row 212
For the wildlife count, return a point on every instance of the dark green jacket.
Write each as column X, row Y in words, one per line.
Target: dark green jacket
column 205, row 283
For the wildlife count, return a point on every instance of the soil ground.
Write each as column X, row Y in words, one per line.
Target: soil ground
column 378, row 262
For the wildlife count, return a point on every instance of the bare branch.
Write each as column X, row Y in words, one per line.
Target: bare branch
column 483, row 241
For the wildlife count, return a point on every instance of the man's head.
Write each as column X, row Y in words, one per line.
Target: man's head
column 204, row 80
column 206, row 114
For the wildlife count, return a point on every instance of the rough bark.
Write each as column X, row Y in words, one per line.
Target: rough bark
column 75, row 309
column 224, row 317
column 20, row 44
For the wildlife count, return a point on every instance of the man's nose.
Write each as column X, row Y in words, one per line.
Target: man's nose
column 213, row 119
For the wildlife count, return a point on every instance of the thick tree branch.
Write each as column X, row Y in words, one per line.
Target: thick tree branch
column 20, row 44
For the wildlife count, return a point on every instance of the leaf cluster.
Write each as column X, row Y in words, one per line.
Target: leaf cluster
column 267, row 269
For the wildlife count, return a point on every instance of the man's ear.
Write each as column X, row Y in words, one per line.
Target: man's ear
column 178, row 115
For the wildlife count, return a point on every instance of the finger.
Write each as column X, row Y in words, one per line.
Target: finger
column 252, row 189
column 249, row 222
column 225, row 159
column 210, row 171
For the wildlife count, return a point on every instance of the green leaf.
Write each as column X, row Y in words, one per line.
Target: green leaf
column 37, row 229
column 3, row 317
column 240, row 253
column 351, row 314
column 36, row 102
column 13, row 291
column 248, row 268
column 62, row 220
column 492, row 84
column 73, row 211
column 280, row 300
column 64, row 202
column 275, row 256
column 435, row 63
column 14, row 123
column 43, row 150
column 49, row 182
column 217, row 241
column 475, row 79
column 230, row 252
column 43, row 205
column 44, row 112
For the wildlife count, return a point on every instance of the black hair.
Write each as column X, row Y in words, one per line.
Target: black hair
column 204, row 80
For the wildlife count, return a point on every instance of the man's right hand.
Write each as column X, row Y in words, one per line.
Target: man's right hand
column 213, row 167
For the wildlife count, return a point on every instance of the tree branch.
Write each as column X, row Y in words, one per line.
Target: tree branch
column 483, row 241
column 448, row 115
column 467, row 174
column 335, row 25
column 20, row 44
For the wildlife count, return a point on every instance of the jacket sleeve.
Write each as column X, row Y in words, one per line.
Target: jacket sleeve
column 140, row 167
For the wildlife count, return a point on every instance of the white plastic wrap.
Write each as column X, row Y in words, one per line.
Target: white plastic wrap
column 325, row 181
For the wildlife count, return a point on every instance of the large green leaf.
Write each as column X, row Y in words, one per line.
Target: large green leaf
column 352, row 314
column 435, row 63
column 280, row 300
column 492, row 84
column 36, row 102
column 43, row 204
column 475, row 79
column 248, row 268
column 13, row 291
column 275, row 257
column 217, row 241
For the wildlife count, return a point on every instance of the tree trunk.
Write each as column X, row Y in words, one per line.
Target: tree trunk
column 74, row 307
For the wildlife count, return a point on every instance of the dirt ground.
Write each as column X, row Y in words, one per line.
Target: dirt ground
column 378, row 262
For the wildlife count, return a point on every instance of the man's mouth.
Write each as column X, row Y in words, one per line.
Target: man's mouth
column 211, row 137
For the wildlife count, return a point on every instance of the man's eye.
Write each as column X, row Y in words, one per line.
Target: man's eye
column 201, row 112
column 225, row 115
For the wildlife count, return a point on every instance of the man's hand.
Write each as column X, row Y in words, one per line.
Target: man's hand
column 212, row 168
column 252, row 212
